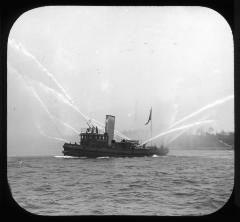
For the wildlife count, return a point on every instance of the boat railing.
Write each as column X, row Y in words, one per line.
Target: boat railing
column 90, row 130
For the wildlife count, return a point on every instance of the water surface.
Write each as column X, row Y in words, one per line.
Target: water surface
column 187, row 182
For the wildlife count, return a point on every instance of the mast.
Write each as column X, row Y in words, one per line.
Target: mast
column 150, row 119
column 151, row 125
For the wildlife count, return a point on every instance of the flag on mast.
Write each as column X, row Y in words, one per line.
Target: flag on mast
column 150, row 117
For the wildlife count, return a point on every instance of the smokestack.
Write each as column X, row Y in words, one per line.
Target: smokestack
column 109, row 128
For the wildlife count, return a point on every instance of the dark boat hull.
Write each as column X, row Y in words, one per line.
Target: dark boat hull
column 93, row 152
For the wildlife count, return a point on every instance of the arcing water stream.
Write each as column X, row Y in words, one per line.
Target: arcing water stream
column 51, row 137
column 177, row 129
column 183, row 131
column 36, row 95
column 207, row 107
column 64, row 96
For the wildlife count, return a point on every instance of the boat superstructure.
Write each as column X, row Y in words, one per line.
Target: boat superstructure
column 95, row 144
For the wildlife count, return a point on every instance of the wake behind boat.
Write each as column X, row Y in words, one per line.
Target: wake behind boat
column 94, row 144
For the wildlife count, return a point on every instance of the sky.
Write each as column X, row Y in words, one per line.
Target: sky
column 70, row 64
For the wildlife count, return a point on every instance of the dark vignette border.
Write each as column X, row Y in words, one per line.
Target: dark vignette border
column 229, row 9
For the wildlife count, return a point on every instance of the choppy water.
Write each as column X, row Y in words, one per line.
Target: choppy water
column 181, row 183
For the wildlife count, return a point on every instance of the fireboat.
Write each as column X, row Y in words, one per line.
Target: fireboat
column 93, row 144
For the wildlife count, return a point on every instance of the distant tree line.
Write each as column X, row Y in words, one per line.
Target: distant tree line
column 226, row 137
